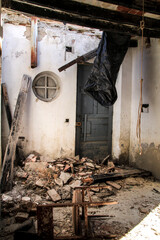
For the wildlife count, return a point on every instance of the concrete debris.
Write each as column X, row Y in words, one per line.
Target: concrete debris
column 31, row 158
column 40, row 183
column 75, row 184
column 89, row 165
column 47, row 159
column 6, row 198
column 143, row 210
column 35, row 166
column 54, row 195
column 65, row 177
column 26, row 199
column 20, row 173
column 59, row 182
column 37, row 198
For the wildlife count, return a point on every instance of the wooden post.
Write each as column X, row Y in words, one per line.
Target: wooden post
column 9, row 157
column 6, row 104
column 45, row 222
column 33, row 42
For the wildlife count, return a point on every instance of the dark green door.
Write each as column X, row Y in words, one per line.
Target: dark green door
column 94, row 122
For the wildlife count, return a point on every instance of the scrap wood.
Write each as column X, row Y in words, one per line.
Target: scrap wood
column 9, row 157
column 116, row 176
column 113, row 184
column 6, row 104
column 105, row 159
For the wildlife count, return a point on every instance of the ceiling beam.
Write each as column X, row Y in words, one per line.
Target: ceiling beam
column 149, row 6
column 96, row 12
column 50, row 13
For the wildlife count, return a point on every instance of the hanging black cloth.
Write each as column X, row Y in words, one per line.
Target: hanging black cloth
column 110, row 55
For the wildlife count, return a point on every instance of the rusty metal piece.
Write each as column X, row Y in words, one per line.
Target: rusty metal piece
column 45, row 222
column 34, row 33
column 89, row 195
column 78, row 124
column 86, row 220
column 88, row 180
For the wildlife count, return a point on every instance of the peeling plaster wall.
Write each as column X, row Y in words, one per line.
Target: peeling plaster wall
column 150, row 158
column 44, row 126
column 122, row 112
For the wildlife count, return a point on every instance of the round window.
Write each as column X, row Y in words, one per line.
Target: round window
column 46, row 86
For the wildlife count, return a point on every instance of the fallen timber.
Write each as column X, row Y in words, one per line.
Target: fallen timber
column 116, row 176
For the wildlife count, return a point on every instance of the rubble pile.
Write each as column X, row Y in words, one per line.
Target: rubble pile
column 42, row 180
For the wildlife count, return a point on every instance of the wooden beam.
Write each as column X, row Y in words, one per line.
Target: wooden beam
column 53, row 14
column 6, row 104
column 149, row 6
column 9, row 157
column 34, row 42
column 97, row 12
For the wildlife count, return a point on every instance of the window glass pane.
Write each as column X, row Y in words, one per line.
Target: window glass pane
column 51, row 93
column 40, row 81
column 51, row 82
column 40, row 92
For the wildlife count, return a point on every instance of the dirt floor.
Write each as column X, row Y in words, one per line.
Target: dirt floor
column 136, row 215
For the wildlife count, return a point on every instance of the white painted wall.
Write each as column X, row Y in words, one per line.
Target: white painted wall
column 150, row 158
column 44, row 124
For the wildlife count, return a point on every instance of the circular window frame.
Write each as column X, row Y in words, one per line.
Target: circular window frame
column 56, row 80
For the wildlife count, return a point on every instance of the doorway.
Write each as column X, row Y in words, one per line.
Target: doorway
column 93, row 122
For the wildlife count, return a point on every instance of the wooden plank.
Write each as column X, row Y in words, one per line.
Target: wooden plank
column 9, row 157
column 34, row 41
column 77, row 198
column 116, row 176
column 115, row 185
column 45, row 223
column 6, row 104
column 80, row 19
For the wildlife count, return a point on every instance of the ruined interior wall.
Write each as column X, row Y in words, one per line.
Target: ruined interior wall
column 150, row 158
column 44, row 126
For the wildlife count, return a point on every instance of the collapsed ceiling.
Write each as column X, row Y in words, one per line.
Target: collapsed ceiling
column 121, row 16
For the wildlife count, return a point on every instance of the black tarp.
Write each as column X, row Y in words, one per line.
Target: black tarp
column 110, row 55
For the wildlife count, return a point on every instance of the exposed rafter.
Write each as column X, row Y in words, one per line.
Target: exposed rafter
column 77, row 12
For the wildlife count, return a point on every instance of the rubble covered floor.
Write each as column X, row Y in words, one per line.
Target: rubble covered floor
column 43, row 181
